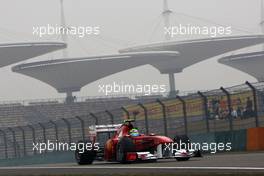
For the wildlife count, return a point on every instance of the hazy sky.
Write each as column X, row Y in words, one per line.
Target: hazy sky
column 123, row 23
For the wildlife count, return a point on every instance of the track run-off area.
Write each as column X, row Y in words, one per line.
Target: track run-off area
column 225, row 163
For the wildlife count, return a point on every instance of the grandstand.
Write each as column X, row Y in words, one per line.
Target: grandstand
column 17, row 114
column 188, row 114
column 12, row 114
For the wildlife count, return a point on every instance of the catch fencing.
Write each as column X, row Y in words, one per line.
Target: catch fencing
column 224, row 109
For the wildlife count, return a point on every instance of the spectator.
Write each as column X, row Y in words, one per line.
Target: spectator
column 249, row 108
column 215, row 108
column 239, row 108
column 225, row 114
column 248, row 111
column 234, row 113
column 249, row 104
column 223, row 108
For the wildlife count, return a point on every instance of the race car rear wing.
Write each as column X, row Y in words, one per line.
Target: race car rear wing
column 103, row 128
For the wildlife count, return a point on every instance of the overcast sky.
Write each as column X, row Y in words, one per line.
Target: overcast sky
column 123, row 23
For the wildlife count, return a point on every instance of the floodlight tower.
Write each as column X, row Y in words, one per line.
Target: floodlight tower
column 166, row 17
column 63, row 31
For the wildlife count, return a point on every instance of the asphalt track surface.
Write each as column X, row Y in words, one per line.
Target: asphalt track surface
column 212, row 164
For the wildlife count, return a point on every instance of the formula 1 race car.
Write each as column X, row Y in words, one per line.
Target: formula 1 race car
column 126, row 145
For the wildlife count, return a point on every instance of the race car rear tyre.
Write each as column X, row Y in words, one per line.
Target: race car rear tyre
column 182, row 159
column 197, row 153
column 183, row 139
column 123, row 146
column 86, row 157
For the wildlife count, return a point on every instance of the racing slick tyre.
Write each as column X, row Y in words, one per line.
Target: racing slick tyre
column 182, row 159
column 197, row 153
column 183, row 139
column 86, row 157
column 123, row 146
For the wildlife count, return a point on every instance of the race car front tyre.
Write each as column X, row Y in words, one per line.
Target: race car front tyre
column 123, row 146
column 85, row 157
column 185, row 141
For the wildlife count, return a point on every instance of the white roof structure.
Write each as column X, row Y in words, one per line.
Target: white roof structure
column 194, row 51
column 70, row 75
column 15, row 52
column 250, row 63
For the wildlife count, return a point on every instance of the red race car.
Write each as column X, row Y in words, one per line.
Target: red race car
column 124, row 144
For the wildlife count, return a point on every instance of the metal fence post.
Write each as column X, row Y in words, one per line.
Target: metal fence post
column 229, row 108
column 33, row 136
column 206, row 112
column 126, row 111
column 56, row 130
column 163, row 106
column 184, row 114
column 95, row 118
column 14, row 141
column 43, row 133
column 69, row 129
column 135, row 113
column 24, row 140
column 254, row 91
column 111, row 116
column 146, row 116
column 82, row 126
column 5, row 143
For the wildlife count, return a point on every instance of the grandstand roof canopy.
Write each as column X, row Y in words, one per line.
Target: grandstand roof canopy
column 194, row 51
column 15, row 52
column 250, row 63
column 70, row 75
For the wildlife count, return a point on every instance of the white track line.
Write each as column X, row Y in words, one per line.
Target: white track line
column 96, row 167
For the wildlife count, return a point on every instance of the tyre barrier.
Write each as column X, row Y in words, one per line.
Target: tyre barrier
column 255, row 139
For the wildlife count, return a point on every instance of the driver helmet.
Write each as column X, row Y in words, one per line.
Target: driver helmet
column 134, row 132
